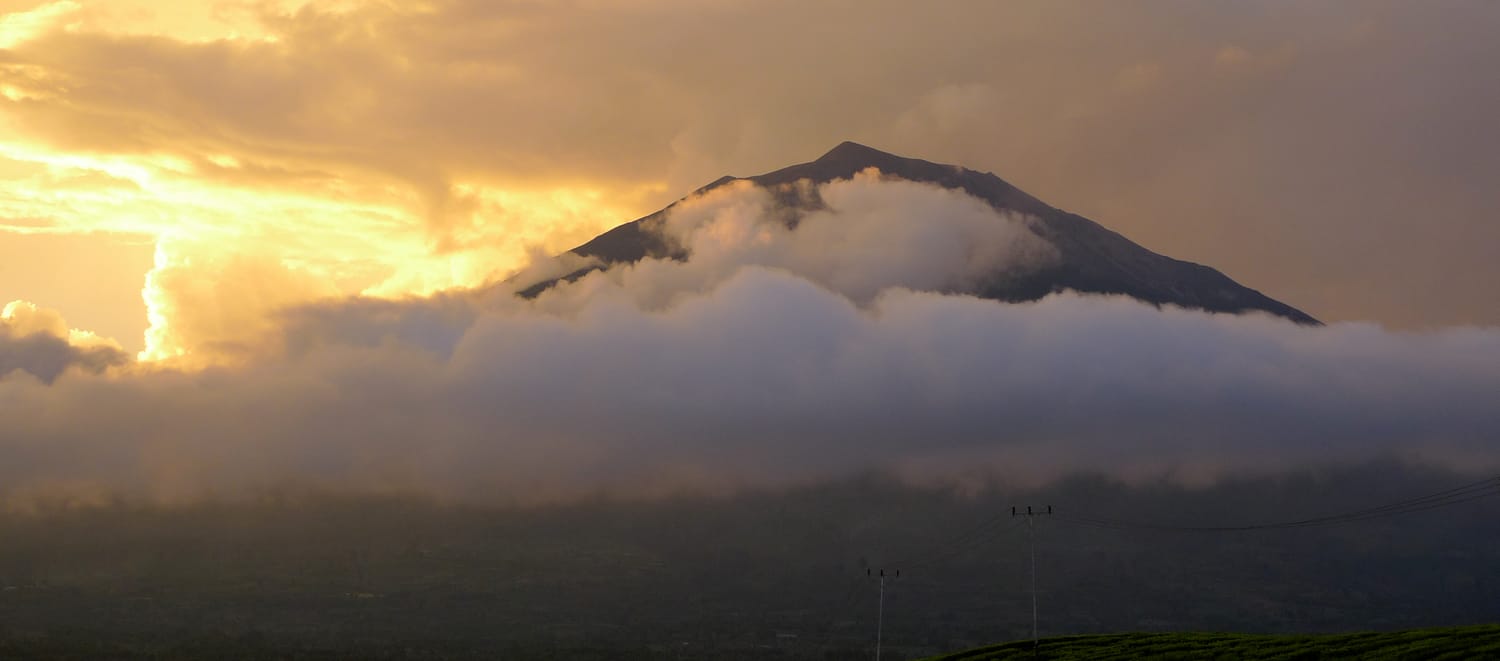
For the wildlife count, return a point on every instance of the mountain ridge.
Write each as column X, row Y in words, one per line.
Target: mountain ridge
column 1094, row 259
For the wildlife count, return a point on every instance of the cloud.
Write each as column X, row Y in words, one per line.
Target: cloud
column 1338, row 159
column 1299, row 150
column 209, row 307
column 758, row 367
column 38, row 341
column 855, row 237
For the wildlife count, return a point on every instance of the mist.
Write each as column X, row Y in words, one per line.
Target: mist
column 769, row 357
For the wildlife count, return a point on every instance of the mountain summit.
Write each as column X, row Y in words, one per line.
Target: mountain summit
column 1093, row 259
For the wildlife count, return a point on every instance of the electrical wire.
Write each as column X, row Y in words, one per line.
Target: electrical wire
column 1470, row 492
column 970, row 537
column 826, row 639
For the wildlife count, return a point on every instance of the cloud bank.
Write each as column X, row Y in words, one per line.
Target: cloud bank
column 770, row 357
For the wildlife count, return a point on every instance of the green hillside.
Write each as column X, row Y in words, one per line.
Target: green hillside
column 1456, row 643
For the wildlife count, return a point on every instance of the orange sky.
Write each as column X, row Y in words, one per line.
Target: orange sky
column 173, row 172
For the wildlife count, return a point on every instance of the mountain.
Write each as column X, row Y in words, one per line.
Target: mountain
column 1093, row 258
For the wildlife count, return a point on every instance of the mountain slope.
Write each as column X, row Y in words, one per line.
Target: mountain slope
column 1093, row 258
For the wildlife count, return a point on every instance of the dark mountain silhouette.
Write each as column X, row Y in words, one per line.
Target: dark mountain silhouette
column 1093, row 258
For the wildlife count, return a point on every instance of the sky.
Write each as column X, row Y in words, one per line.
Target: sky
column 1337, row 156
column 270, row 203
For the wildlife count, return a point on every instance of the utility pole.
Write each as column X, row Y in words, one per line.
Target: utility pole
column 1031, row 515
column 880, row 614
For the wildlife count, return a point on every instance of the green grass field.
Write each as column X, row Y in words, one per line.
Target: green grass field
column 1455, row 643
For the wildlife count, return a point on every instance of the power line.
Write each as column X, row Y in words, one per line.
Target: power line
column 970, row 537
column 991, row 526
column 939, row 555
column 1474, row 491
column 845, row 605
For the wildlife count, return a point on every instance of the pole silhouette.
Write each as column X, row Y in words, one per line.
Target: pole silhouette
column 880, row 612
column 1031, row 515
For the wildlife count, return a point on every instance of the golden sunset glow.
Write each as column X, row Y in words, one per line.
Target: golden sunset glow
column 173, row 173
column 245, row 218
column 683, row 329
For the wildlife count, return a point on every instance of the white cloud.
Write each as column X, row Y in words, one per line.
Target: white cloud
column 761, row 366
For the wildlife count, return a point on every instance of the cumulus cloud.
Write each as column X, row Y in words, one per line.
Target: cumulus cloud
column 39, row 342
column 212, row 306
column 760, row 366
